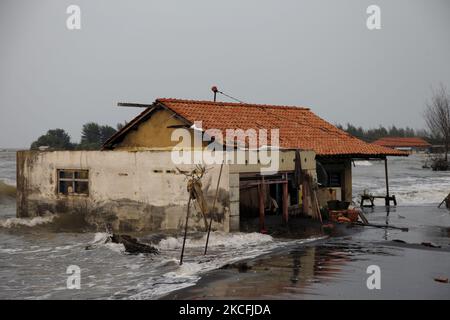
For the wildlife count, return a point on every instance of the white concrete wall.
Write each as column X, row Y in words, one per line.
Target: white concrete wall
column 142, row 188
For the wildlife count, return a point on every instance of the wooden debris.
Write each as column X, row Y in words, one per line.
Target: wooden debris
column 441, row 279
column 380, row 226
column 446, row 201
column 363, row 217
column 132, row 245
column 430, row 245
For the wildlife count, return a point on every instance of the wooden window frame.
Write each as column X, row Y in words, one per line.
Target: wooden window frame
column 73, row 180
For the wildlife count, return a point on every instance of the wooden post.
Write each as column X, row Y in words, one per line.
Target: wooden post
column 214, row 206
column 305, row 203
column 285, row 202
column 185, row 228
column 261, row 207
column 387, row 201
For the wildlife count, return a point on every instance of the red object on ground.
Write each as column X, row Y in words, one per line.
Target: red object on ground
column 350, row 215
column 344, row 219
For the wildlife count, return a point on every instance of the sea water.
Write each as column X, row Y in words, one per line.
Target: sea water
column 34, row 258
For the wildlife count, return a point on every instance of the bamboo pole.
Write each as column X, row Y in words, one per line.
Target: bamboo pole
column 213, row 207
column 185, row 229
column 387, row 201
column 380, row 226
column 261, row 207
column 285, row 201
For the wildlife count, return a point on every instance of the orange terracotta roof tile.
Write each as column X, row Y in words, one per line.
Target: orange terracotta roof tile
column 299, row 128
column 400, row 142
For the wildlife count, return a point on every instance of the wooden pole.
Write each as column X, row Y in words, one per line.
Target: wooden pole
column 380, row 226
column 387, row 201
column 185, row 229
column 319, row 214
column 304, row 195
column 213, row 208
column 261, row 207
column 443, row 201
column 285, row 201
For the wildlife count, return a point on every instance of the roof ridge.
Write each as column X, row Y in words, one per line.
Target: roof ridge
column 221, row 103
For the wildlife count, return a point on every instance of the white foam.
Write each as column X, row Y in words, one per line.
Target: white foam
column 363, row 163
column 101, row 239
column 116, row 247
column 237, row 247
column 216, row 239
column 26, row 222
column 411, row 191
column 9, row 251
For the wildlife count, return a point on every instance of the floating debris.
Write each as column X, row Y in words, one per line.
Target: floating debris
column 441, row 279
column 430, row 244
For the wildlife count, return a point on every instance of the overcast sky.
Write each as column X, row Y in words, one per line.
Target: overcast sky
column 313, row 53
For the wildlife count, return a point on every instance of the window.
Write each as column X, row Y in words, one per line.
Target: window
column 334, row 179
column 73, row 182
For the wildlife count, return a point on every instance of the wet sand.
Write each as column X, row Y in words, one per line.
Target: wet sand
column 335, row 268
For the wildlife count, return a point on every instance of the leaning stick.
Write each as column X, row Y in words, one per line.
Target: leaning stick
column 443, row 201
column 380, row 226
column 213, row 208
column 185, row 228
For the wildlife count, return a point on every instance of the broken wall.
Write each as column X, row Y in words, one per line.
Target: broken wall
column 132, row 190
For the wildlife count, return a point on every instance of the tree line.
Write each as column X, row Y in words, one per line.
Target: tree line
column 437, row 118
column 93, row 136
column 371, row 135
column 436, row 115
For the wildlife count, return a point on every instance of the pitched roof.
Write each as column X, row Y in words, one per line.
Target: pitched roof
column 299, row 128
column 400, row 142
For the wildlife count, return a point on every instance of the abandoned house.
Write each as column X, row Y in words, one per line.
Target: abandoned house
column 133, row 183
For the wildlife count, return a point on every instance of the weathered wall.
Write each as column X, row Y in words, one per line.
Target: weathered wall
column 153, row 133
column 131, row 190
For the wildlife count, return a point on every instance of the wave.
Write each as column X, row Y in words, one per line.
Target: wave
column 26, row 222
column 101, row 240
column 167, row 275
column 408, row 190
column 216, row 239
column 7, row 190
column 363, row 163
column 225, row 248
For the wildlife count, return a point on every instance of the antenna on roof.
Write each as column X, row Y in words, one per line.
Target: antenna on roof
column 215, row 90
